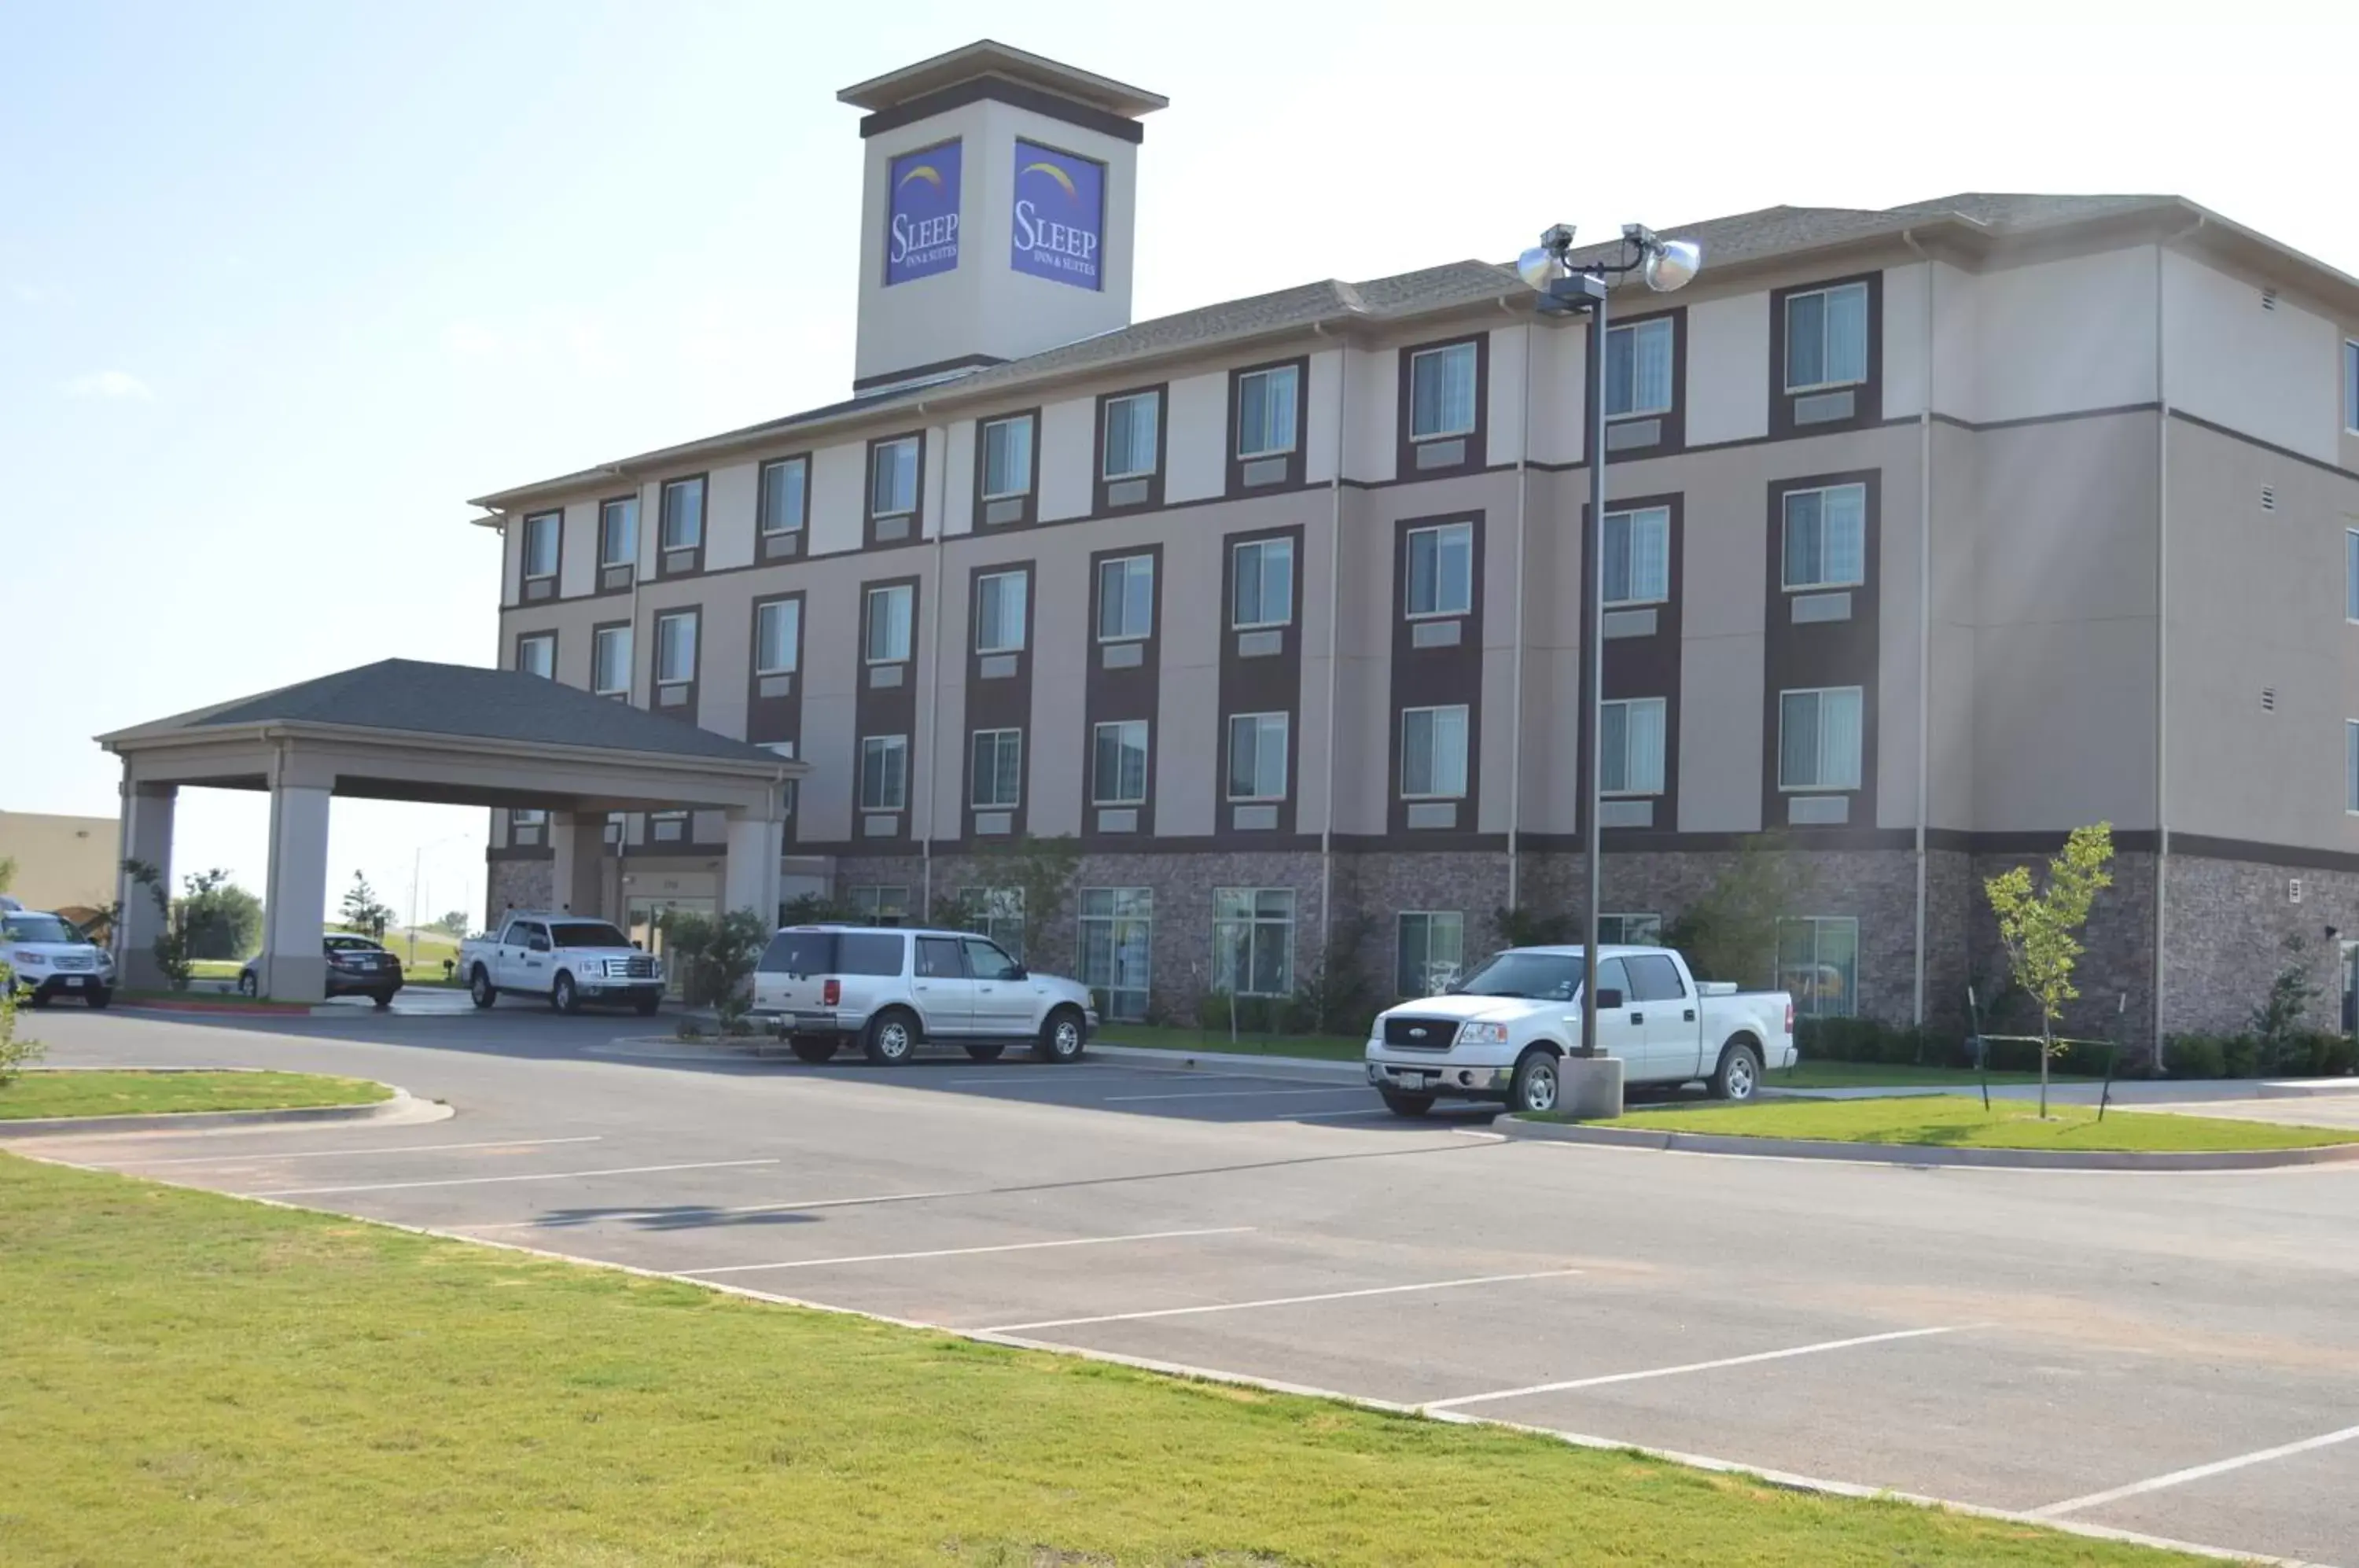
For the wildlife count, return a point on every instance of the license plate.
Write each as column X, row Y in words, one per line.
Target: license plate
column 1409, row 1080
column 70, row 979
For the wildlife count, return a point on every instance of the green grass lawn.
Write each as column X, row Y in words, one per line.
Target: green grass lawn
column 107, row 1094
column 1958, row 1121
column 1808, row 1074
column 222, row 1383
column 433, row 947
column 1333, row 1048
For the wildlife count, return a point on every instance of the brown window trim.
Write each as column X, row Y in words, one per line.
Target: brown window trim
column 688, row 708
column 1845, row 652
column 665, row 570
column 1100, row 506
column 1294, row 460
column 1028, row 505
column 1442, row 676
column 556, row 578
column 1648, row 665
column 1868, row 406
column 917, row 516
column 1265, row 683
column 1476, row 441
column 1111, row 695
column 774, row 718
column 628, row 569
column 1674, row 436
column 516, row 647
column 890, row 711
column 630, row 671
column 782, row 544
column 1003, row 702
column 1029, row 571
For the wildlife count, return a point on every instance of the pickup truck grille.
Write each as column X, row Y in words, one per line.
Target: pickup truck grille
column 639, row 968
column 1420, row 1034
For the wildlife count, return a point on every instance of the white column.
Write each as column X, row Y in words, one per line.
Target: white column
column 147, row 831
column 295, row 905
column 578, row 842
column 749, row 878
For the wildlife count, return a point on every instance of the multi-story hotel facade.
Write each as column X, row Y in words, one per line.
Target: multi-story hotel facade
column 1933, row 532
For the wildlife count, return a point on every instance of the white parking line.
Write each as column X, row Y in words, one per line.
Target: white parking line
column 2180, row 1477
column 1280, row 1301
column 1230, row 1093
column 1690, row 1366
column 361, row 1153
column 487, row 1180
column 963, row 1251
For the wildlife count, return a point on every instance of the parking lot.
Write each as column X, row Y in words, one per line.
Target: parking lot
column 2176, row 1355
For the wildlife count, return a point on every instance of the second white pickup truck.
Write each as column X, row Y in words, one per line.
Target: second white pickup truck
column 569, row 959
column 1500, row 1033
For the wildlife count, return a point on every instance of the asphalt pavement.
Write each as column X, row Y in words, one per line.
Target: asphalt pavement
column 2176, row 1355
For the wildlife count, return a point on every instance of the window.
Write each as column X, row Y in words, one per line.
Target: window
column 986, row 961
column 777, row 636
column 998, row 779
column 1118, row 764
column 540, row 535
column 889, row 616
column 1630, row 746
column 1266, row 412
column 1638, row 557
column 2351, row 766
column 937, row 959
column 785, row 482
column 1638, row 369
column 1264, row 590
column 527, row 825
column 1130, row 435
column 1433, row 752
column 1826, row 537
column 536, row 654
column 1442, row 570
column 667, row 827
column 999, row 612
column 1826, row 337
column 1817, row 960
column 1125, row 598
column 610, row 662
column 619, row 532
column 2350, row 574
column 996, row 913
column 892, row 478
column 1633, row 930
column 1006, row 458
column 1430, row 953
column 1819, row 739
column 2351, row 387
column 1253, row 940
column 1654, row 978
column 879, row 907
column 1117, row 943
column 884, row 773
column 1258, row 756
column 1442, row 392
column 675, row 648
column 683, row 514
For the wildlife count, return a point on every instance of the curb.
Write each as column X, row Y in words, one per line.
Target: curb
column 1656, row 1140
column 220, row 1009
column 1228, row 1061
column 403, row 1106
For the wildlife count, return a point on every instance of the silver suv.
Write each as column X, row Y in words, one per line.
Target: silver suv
column 893, row 990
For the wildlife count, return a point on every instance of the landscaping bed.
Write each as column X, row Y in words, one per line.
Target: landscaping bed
column 1958, row 1121
column 79, row 1091
column 224, row 1383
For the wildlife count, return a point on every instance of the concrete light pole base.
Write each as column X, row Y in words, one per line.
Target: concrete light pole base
column 1589, row 1087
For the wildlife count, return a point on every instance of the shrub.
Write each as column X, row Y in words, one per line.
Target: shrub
column 2194, row 1056
column 1881, row 1044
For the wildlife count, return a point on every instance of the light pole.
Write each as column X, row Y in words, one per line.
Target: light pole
column 1569, row 290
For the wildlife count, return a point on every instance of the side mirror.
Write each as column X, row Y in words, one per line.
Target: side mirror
column 1609, row 1000
column 638, row 947
column 1019, row 973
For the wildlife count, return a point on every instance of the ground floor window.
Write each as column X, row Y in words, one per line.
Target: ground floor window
column 994, row 913
column 1253, row 940
column 1117, row 946
column 880, row 906
column 1817, row 960
column 1632, row 930
column 1430, row 951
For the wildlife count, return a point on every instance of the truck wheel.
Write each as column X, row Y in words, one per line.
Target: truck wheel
column 563, row 995
column 813, row 1049
column 645, row 1005
column 480, row 989
column 985, row 1052
column 247, row 984
column 1402, row 1104
column 892, row 1037
column 98, row 996
column 1738, row 1076
column 1060, row 1037
column 1534, row 1084
column 384, row 1000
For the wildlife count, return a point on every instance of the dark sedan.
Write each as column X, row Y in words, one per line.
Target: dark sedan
column 356, row 967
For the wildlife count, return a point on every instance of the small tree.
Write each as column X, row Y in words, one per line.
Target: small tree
column 2039, row 927
column 454, row 924
column 1730, row 930
column 171, row 947
column 7, row 872
column 15, row 1053
column 715, row 957
column 2279, row 1018
column 363, row 911
column 220, row 919
column 1043, row 871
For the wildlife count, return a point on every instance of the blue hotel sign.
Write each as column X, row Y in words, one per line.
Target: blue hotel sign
column 1060, row 229
column 922, row 237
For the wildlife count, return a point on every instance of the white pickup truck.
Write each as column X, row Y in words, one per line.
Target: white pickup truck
column 569, row 959
column 1499, row 1033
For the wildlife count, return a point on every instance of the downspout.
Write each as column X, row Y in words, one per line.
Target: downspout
column 1516, row 677
column 1924, row 624
column 933, row 672
column 1334, row 615
column 2162, row 638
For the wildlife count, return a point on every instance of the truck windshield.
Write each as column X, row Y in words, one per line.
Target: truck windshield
column 1536, row 976
column 38, row 928
column 585, row 933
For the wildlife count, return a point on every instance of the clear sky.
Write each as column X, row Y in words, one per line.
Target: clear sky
column 281, row 285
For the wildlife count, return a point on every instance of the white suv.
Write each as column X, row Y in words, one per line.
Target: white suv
column 892, row 990
column 50, row 959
